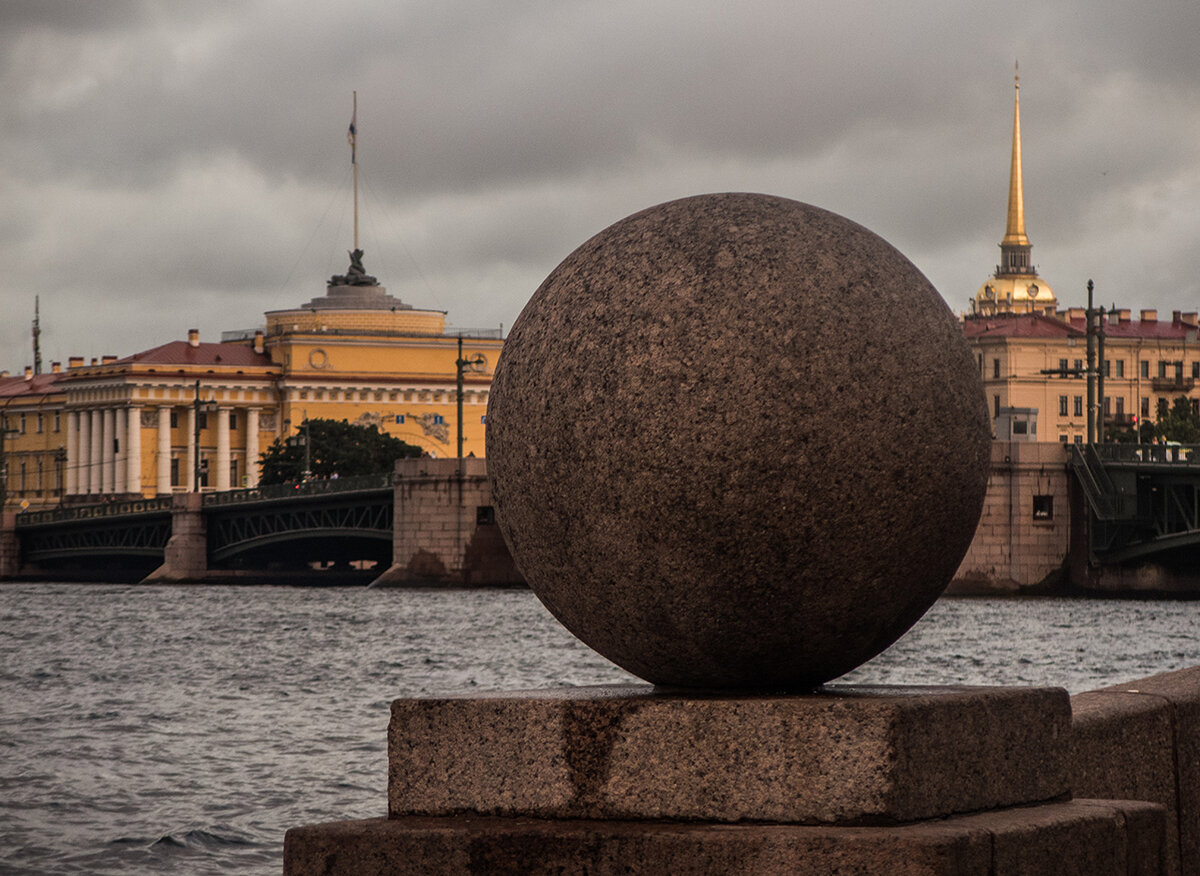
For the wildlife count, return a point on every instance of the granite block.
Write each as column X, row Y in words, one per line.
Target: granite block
column 1122, row 746
column 1052, row 839
column 1181, row 691
column 848, row 754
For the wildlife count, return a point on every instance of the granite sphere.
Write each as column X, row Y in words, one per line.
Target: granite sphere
column 737, row 442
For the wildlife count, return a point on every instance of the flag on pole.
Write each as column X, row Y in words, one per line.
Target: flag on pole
column 350, row 135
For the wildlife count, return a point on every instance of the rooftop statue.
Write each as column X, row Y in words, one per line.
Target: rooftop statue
column 355, row 275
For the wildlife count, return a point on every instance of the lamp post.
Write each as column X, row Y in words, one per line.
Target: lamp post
column 460, row 365
column 302, row 440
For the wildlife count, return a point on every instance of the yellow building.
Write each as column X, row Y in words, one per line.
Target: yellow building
column 1032, row 356
column 32, row 439
column 160, row 420
column 1145, row 360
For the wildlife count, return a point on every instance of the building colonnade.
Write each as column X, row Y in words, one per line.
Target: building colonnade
column 104, row 449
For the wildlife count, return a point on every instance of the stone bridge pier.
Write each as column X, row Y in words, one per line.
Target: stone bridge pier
column 445, row 527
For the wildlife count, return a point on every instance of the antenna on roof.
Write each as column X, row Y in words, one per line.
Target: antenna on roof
column 37, row 338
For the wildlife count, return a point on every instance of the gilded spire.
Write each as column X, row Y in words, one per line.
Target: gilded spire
column 1014, row 232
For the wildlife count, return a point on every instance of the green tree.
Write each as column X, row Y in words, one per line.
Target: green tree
column 336, row 447
column 1177, row 421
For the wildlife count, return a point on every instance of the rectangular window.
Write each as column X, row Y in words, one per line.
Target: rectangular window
column 57, row 422
column 1196, row 369
column 981, row 364
column 21, row 427
column 1043, row 507
column 1078, row 439
column 1145, row 407
column 1020, row 427
column 175, row 470
column 174, row 419
column 233, row 472
column 1079, row 368
column 40, row 427
column 1120, row 368
column 1108, row 367
column 202, row 419
column 399, row 419
column 438, row 419
column 1162, row 368
column 995, row 406
column 1078, row 412
column 1062, row 366
column 1120, row 406
column 233, row 427
column 483, row 419
column 1108, row 406
column 485, row 515
column 1144, row 369
column 995, row 368
column 1062, row 405
column 1062, row 439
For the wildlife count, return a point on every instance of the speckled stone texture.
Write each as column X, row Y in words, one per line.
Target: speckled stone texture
column 849, row 754
column 737, row 441
column 1078, row 838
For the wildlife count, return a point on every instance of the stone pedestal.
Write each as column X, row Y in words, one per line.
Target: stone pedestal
column 636, row 779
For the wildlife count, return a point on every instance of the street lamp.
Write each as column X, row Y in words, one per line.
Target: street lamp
column 474, row 364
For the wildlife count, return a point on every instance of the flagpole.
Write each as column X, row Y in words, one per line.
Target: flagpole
column 354, row 161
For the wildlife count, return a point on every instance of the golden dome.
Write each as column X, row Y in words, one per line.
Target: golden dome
column 1015, row 294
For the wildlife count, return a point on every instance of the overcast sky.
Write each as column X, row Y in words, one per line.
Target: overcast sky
column 170, row 165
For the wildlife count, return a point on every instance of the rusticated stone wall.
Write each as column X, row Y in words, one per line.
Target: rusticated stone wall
column 445, row 528
column 1023, row 537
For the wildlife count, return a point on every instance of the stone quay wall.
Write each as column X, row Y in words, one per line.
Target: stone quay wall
column 445, row 530
column 1024, row 534
column 1108, row 782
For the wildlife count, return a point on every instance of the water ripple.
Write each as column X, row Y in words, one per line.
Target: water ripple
column 184, row 729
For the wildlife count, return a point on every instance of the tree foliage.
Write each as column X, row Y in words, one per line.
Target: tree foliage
column 1177, row 421
column 336, row 448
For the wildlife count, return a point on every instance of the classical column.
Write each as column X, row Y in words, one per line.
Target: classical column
column 252, row 447
column 72, row 485
column 162, row 477
column 95, row 454
column 189, row 477
column 82, row 462
column 133, row 450
column 222, row 448
column 120, row 449
column 106, row 450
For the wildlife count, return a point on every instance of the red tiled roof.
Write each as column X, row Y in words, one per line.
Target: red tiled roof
column 1022, row 325
column 39, row 384
column 183, row 353
column 1142, row 328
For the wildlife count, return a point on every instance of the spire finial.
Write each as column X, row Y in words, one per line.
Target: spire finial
column 1014, row 232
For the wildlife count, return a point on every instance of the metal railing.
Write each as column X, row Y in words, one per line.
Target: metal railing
column 1174, row 454
column 92, row 512
column 315, row 487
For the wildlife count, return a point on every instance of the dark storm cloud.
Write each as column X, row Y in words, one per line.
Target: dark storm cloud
column 169, row 165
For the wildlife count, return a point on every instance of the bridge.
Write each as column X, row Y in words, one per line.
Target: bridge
column 445, row 532
column 1143, row 500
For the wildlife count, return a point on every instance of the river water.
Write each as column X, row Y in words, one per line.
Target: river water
column 184, row 729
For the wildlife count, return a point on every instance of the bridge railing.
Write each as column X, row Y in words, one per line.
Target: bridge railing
column 302, row 488
column 1181, row 454
column 91, row 512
